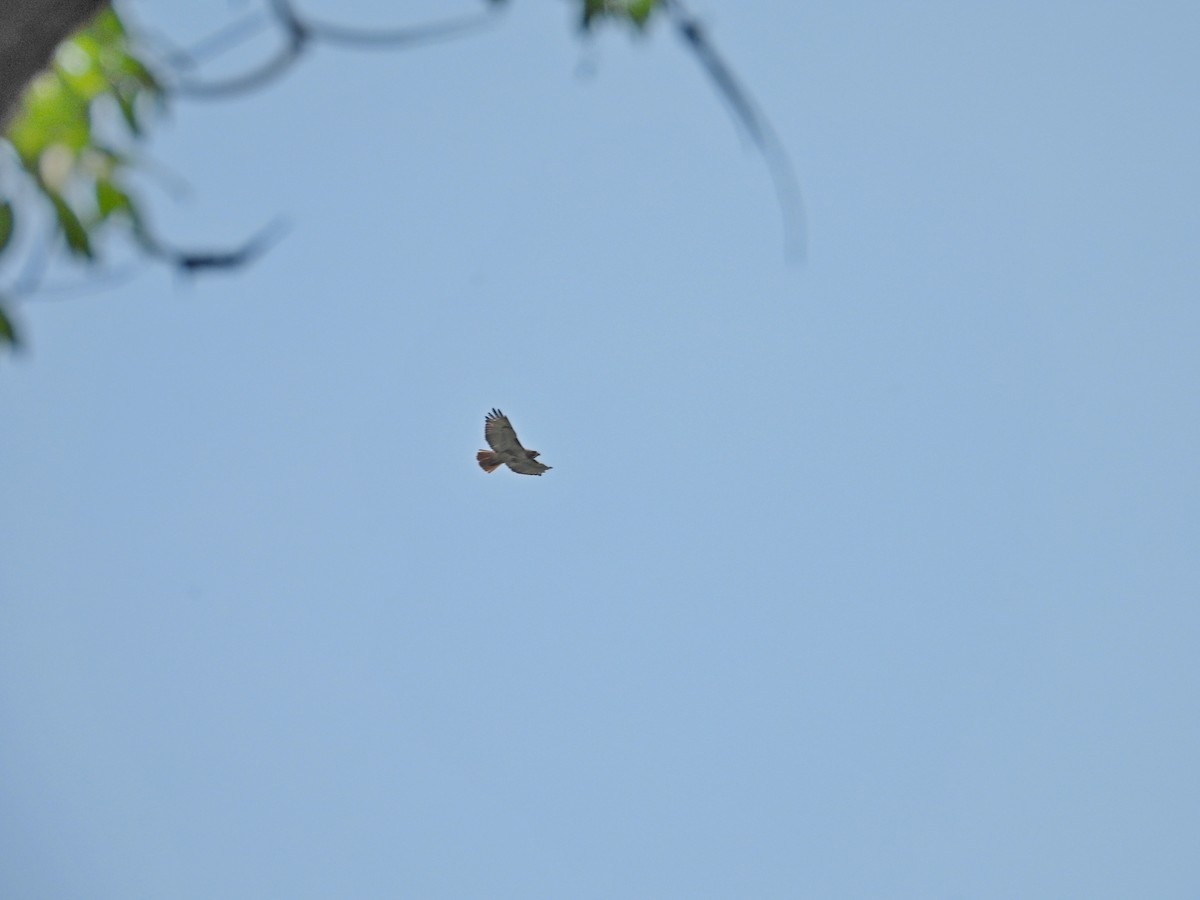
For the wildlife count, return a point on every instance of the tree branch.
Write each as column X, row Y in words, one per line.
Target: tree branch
column 783, row 176
column 300, row 33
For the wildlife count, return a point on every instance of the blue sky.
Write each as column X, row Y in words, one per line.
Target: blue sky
column 874, row 576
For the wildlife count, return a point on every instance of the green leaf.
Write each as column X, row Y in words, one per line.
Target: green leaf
column 72, row 228
column 134, row 68
column 79, row 70
column 6, row 223
column 637, row 12
column 8, row 331
column 129, row 112
column 52, row 113
column 640, row 10
column 110, row 198
column 107, row 28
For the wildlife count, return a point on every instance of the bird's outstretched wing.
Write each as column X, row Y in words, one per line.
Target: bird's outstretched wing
column 528, row 466
column 500, row 434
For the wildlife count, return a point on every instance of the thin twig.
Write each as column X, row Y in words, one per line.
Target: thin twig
column 190, row 261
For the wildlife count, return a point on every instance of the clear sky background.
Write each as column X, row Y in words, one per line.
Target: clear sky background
column 874, row 576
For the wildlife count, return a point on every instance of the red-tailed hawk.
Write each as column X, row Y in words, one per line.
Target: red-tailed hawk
column 506, row 449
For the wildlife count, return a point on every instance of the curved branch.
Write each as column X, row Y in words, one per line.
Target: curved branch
column 302, row 32
column 215, row 43
column 398, row 37
column 192, row 261
column 757, row 126
column 288, row 55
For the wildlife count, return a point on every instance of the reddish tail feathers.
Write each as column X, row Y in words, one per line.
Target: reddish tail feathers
column 488, row 461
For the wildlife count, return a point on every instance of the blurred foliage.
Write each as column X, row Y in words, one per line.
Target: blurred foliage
column 70, row 161
column 8, row 331
column 74, row 119
column 67, row 141
column 636, row 12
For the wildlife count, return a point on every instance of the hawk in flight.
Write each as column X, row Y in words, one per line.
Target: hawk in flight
column 506, row 449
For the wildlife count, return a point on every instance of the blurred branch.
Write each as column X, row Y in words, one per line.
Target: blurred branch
column 300, row 33
column 191, row 262
column 758, row 128
column 97, row 96
column 214, row 44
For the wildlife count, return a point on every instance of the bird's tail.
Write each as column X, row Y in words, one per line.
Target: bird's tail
column 488, row 461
